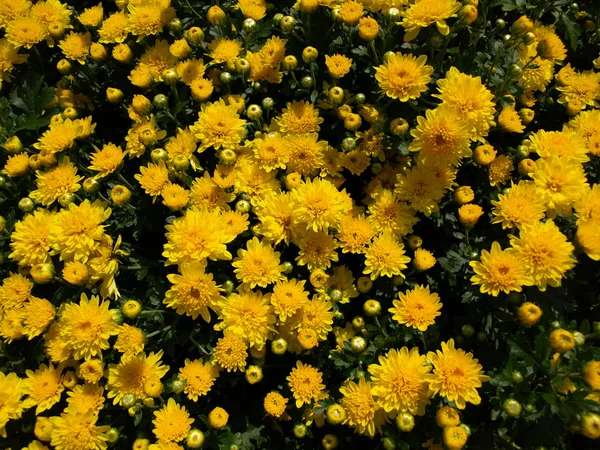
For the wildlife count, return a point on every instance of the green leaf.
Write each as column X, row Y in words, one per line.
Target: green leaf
column 571, row 30
column 585, row 327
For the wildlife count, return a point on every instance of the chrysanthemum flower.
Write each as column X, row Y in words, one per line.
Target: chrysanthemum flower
column 499, row 271
column 305, row 152
column 106, row 160
column 521, row 206
column 16, row 165
column 87, row 326
column 172, row 422
column 319, row 205
column 417, row 308
column 199, row 378
column 231, row 352
column 51, row 11
column 29, row 240
column 421, row 188
column 553, row 47
column 92, row 17
column 175, row 197
column 206, row 193
column 14, row 291
column 275, row 404
column 355, row 233
column 74, row 429
column 338, row 65
column 77, row 230
column 255, row 182
column 10, row 10
column 43, row 387
column 158, row 59
column 545, row 252
column 588, row 206
column 500, row 170
column 271, row 152
column 62, row 179
column 387, row 213
column 59, row 137
column 510, row 121
column 351, row 11
column 86, row 397
column 195, row 236
column 440, row 137
column 385, row 257
column 288, row 297
column 258, row 265
column 130, row 375
column 38, row 313
column 193, row 292
column 469, row 99
column 275, row 216
column 583, row 89
column 342, row 280
column 76, row 46
column 317, row 249
column 253, row 9
column 560, row 183
column 316, row 315
column 404, row 77
column 114, row 29
column 399, row 381
column 456, row 375
column 224, row 50
column 300, row 117
column 363, row 413
column 11, row 408
column 423, row 13
column 588, row 238
column 306, row 384
column 148, row 18
column 566, row 144
column 25, row 31
column 218, row 126
column 249, row 315
column 587, row 125
column 92, row 370
column 131, row 340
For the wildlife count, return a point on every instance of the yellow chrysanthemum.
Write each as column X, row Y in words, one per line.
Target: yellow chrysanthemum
column 306, row 384
column 421, row 188
column 92, row 17
column 10, row 10
column 175, row 197
column 14, row 291
column 500, row 170
column 114, row 29
column 423, row 13
column 385, row 257
column 29, row 240
column 87, row 326
column 76, row 430
column 545, row 253
column 218, row 126
column 271, row 152
column 148, row 17
column 499, row 271
column 553, row 47
column 258, row 265
column 355, row 233
column 510, row 121
column 315, row 315
column 300, row 118
column 172, row 422
column 92, row 370
column 305, row 152
column 399, row 381
column 85, row 398
column 62, row 179
column 587, row 125
column 59, row 137
column 417, row 308
column 17, row 165
column 106, row 160
column 387, row 213
column 253, row 9
column 224, row 50
column 38, row 314
column 363, row 412
column 195, row 236
column 249, row 315
column 521, row 206
column 130, row 375
column 25, row 31
column 231, row 352
column 131, row 340
column 317, row 249
column 76, row 46
column 199, row 378
column 560, row 183
column 77, row 230
column 582, row 89
column 404, row 77
column 43, row 387
column 338, row 65
column 441, row 137
column 318, row 205
column 566, row 144
column 51, row 11
column 275, row 404
column 11, row 407
column 288, row 297
column 469, row 99
column 193, row 292
column 588, row 238
column 456, row 375
column 275, row 217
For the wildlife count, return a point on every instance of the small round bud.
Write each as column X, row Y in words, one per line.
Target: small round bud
column 161, row 101
column 512, row 407
column 529, row 38
column 358, row 344
column 309, row 54
column 249, row 25
column 195, row 438
column 287, row 24
column 177, row 386
column 225, row 78
column 194, row 35
column 112, row 435
column 128, row 400
column 64, row 67
column 405, row 422
column 254, row 112
column 114, row 95
column 307, row 82
column 300, row 430
column 132, row 309
column 516, row 377
column 467, row 330
column 66, row 199
column 279, row 346
column 243, row 206
column 175, row 25
column 254, row 374
column 372, row 308
column 26, row 204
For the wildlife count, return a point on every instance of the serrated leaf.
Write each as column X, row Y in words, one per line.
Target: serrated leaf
column 572, row 31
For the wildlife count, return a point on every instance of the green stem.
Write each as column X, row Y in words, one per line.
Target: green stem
column 125, row 182
column 154, row 333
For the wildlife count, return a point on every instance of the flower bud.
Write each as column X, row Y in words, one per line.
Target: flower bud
column 114, row 95
column 399, row 126
column 308, row 6
column 215, row 15
column 289, row 63
column 522, row 26
column 249, row 25
column 132, row 309
column 159, row 154
column 26, row 204
column 98, row 52
column 195, row 438
column 13, row 145
column 64, row 67
column 468, row 14
column 254, row 112
column 287, row 24
column 194, row 35
column 120, row 195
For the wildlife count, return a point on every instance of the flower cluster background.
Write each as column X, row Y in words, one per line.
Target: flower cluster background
column 301, row 224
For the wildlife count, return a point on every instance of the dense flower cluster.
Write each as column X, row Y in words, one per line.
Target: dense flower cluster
column 362, row 218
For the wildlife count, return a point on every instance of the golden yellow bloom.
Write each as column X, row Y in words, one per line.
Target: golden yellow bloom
column 368, row 28
column 421, row 187
column 38, row 314
column 91, row 370
column 499, row 270
column 148, row 18
column 404, row 77
column 589, row 239
column 545, row 252
column 417, row 308
column 305, row 382
column 106, row 160
column 423, row 13
column 399, row 381
column 75, row 429
column 447, row 416
column 561, row 340
column 363, row 413
column 385, row 257
column 258, row 265
column 92, row 17
column 469, row 214
column 218, row 418
column 199, row 378
column 275, row 404
column 500, row 170
column 441, row 137
column 305, row 152
column 218, row 126
column 351, row 11
column 300, row 118
column 454, row 437
column 60, row 136
column 253, row 9
column 153, row 178
column 224, row 50
column 43, row 387
column 29, row 240
column 17, row 165
column 131, row 340
column 338, row 65
column 354, row 234
column 231, row 352
column 456, row 375
column 510, row 121
column 175, row 197
column 25, row 31
column 76, row 273
column 387, row 213
column 591, row 374
column 318, row 205
column 86, row 397
column 172, row 422
column 423, row 260
column 62, row 179
column 248, row 315
column 463, row 195
column 521, row 206
column 76, row 46
column 529, row 314
column 10, row 10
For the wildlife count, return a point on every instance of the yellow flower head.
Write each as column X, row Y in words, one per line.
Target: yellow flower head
column 131, row 340
column 423, row 13
column 92, row 17
column 355, row 233
column 218, row 418
column 561, row 340
column 363, row 412
column 175, row 197
column 305, row 152
column 76, row 46
column 500, row 170
column 43, row 387
column 591, row 374
column 148, row 17
column 299, row 118
column 338, row 65
column 130, row 375
column 17, row 165
column 76, row 273
column 10, row 10
column 521, row 206
column 421, row 187
column 29, row 240
column 38, row 314
column 351, row 11
column 224, row 50
column 231, row 352
column 76, row 429
column 91, row 370
column 387, row 213
column 566, row 144
column 456, row 375
column 113, row 29
column 106, row 160
column 62, row 179
column 318, row 205
column 417, row 308
column 11, row 387
column 305, row 382
column 271, row 151
column 499, row 271
column 172, row 422
column 275, row 404
column 404, row 77
column 258, row 265
column 529, row 313
column 484, row 154
column 469, row 214
column 399, row 381
column 385, row 256
column 510, row 121
column 199, row 378
column 25, row 31
column 218, row 126
column 253, row 9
